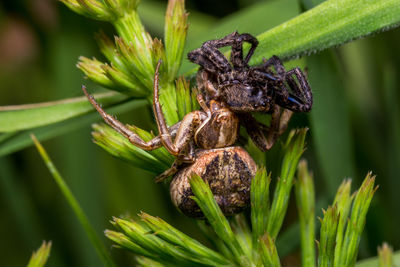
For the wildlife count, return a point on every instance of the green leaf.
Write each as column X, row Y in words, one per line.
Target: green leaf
column 356, row 223
column 294, row 148
column 175, row 31
column 305, row 200
column 120, row 147
column 343, row 201
column 260, row 204
column 204, row 198
column 189, row 245
column 22, row 139
column 39, row 258
column 152, row 246
column 329, row 24
column 268, row 253
column 326, row 245
column 22, row 117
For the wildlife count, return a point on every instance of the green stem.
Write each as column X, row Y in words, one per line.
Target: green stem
column 101, row 250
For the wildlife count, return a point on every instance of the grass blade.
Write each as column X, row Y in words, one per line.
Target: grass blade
column 22, row 117
column 329, row 24
column 101, row 250
column 22, row 139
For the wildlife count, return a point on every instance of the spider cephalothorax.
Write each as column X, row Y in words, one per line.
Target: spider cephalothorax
column 244, row 89
column 202, row 145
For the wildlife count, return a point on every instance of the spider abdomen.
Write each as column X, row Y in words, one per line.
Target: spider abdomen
column 228, row 171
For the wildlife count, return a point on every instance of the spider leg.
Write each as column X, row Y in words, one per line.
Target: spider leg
column 237, row 49
column 235, row 40
column 275, row 62
column 300, row 99
column 186, row 129
column 203, row 105
column 302, row 89
column 197, row 56
column 210, row 50
column 265, row 137
column 121, row 128
column 205, row 85
column 169, row 172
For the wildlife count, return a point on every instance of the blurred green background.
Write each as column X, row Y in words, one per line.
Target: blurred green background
column 355, row 128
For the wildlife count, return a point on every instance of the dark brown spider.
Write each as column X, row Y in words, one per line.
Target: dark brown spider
column 246, row 89
column 202, row 145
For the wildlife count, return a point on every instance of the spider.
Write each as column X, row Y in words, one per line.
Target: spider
column 248, row 89
column 203, row 145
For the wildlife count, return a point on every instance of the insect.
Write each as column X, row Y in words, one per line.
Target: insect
column 248, row 89
column 203, row 145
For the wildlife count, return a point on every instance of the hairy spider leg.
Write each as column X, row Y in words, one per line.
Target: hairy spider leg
column 235, row 40
column 209, row 53
column 237, row 49
column 265, row 137
column 265, row 71
column 175, row 167
column 186, row 130
column 206, row 86
column 301, row 98
column 169, row 172
column 196, row 56
column 210, row 50
column 203, row 105
column 123, row 129
column 275, row 62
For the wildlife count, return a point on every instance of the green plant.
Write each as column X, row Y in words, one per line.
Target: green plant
column 39, row 257
column 154, row 240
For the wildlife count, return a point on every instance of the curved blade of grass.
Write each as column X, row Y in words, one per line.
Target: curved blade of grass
column 22, row 117
column 329, row 24
column 22, row 139
column 100, row 249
